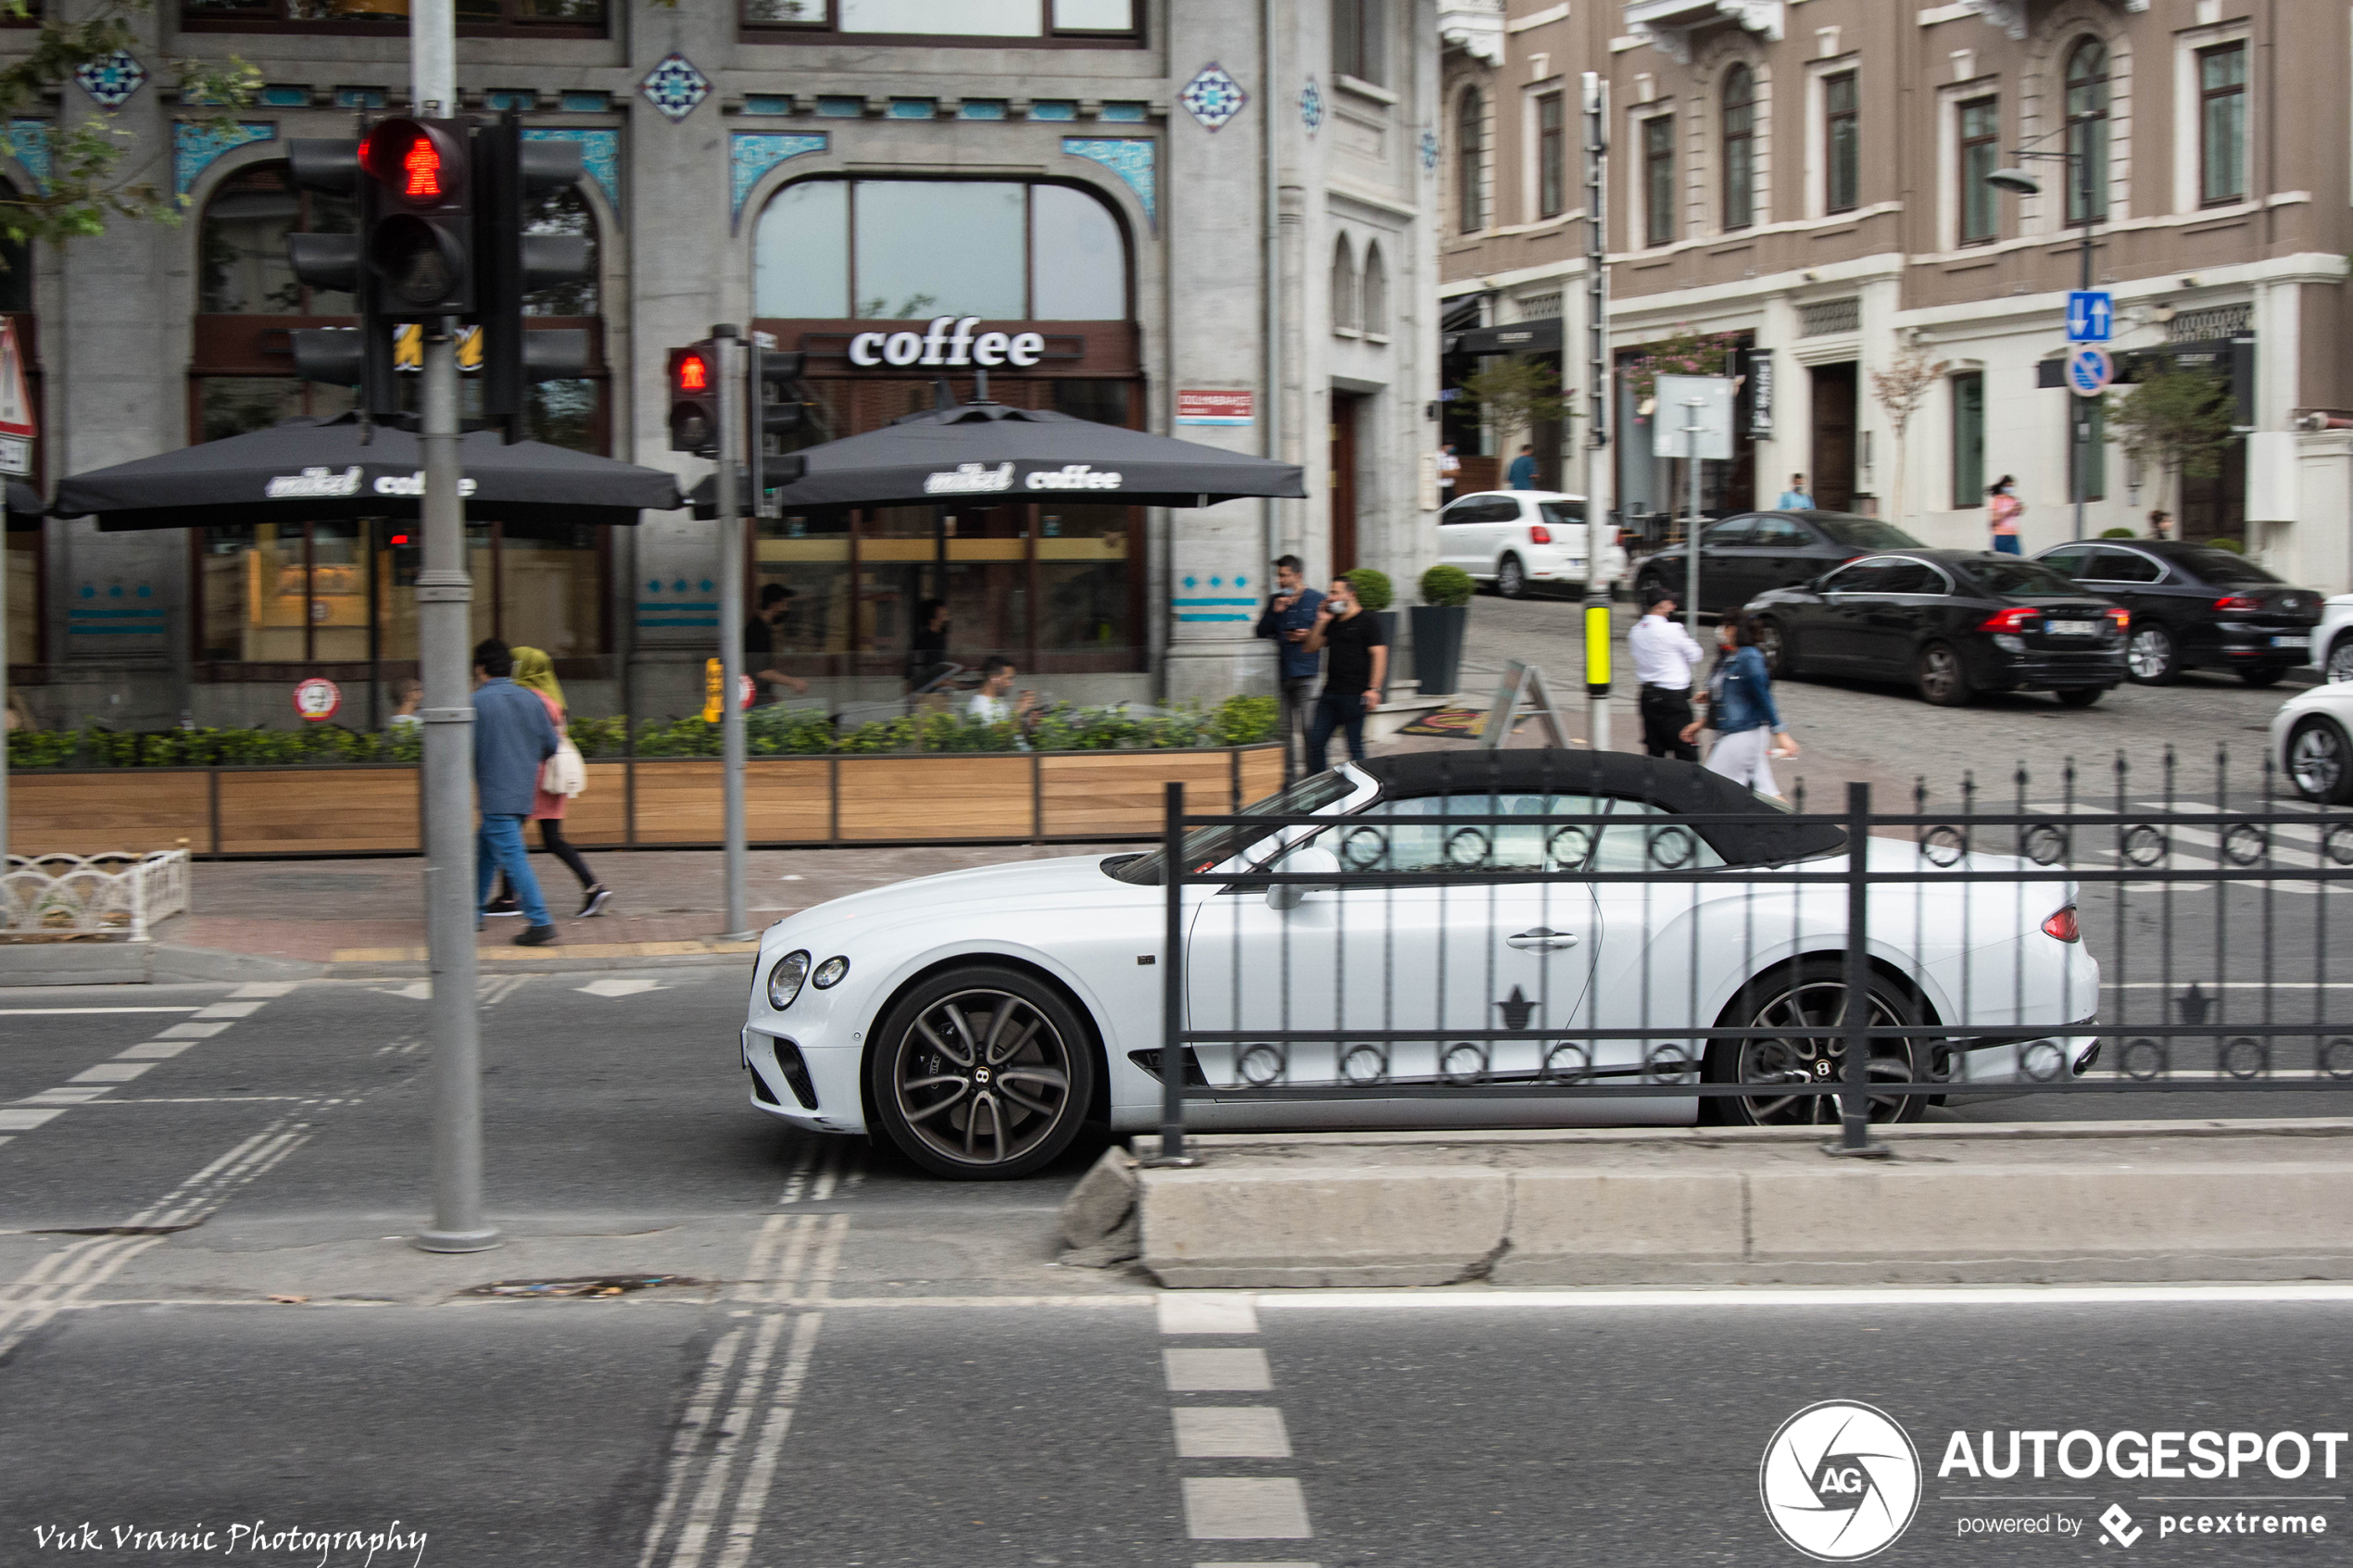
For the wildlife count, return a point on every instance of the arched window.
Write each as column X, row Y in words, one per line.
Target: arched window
column 1470, row 161
column 242, row 246
column 565, row 211
column 16, row 264
column 1376, row 291
column 1344, row 300
column 834, row 249
column 2087, row 132
column 1739, row 147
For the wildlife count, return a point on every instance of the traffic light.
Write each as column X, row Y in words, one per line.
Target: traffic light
column 418, row 229
column 355, row 356
column 775, row 412
column 512, row 173
column 694, row 398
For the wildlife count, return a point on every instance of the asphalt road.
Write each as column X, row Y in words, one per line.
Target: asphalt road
column 866, row 1367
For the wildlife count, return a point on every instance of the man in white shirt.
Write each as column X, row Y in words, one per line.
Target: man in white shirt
column 995, row 702
column 1664, row 656
column 1450, row 470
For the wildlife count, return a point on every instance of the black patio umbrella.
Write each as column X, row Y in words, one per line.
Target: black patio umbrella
column 987, row 452
column 318, row 468
column 24, row 502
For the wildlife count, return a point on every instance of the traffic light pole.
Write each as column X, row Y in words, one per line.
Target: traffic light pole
column 1598, row 382
column 445, row 597
column 729, row 376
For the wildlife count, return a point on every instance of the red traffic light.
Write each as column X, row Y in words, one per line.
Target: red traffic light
column 416, row 164
column 693, row 374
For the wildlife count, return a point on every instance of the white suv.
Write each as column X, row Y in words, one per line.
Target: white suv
column 1523, row 539
column 2332, row 639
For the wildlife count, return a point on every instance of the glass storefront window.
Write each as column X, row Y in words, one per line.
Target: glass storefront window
column 1083, row 592
column 903, row 269
column 234, row 404
column 549, row 590
column 807, row 554
column 243, row 246
column 24, row 595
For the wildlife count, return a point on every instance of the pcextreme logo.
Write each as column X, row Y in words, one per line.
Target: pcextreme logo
column 1840, row 1481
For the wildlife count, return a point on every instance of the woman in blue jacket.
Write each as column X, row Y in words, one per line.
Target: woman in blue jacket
column 1740, row 705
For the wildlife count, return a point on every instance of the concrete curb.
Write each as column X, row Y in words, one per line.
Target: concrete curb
column 75, row 964
column 2031, row 1203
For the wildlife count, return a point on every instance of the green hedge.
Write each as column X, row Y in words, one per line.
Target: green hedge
column 769, row 731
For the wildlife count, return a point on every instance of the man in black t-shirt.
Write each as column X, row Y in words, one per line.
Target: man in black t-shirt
column 759, row 647
column 1353, row 675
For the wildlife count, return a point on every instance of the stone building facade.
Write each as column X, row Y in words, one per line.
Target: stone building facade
column 1222, row 196
column 1798, row 186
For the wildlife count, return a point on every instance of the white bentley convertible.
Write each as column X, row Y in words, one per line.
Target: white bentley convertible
column 979, row 1018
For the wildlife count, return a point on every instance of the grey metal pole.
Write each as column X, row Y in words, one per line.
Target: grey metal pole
column 1598, row 380
column 1855, row 1106
column 728, row 376
column 1172, row 983
column 4, row 674
column 445, row 632
column 2081, row 413
column 1691, row 519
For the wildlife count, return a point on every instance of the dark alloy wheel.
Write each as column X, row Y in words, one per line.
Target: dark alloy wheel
column 1942, row 679
column 1799, row 1014
column 2151, row 658
column 1780, row 662
column 2080, row 697
column 2340, row 660
column 2263, row 674
column 982, row 1073
column 2319, row 762
column 1511, row 579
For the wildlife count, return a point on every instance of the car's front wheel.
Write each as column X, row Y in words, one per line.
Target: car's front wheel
column 2319, row 762
column 2340, row 660
column 1798, row 1017
column 2151, row 656
column 1511, row 578
column 1773, row 644
column 982, row 1073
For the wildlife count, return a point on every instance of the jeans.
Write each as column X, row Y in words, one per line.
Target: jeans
column 2006, row 543
column 1336, row 710
column 1299, row 709
column 498, row 848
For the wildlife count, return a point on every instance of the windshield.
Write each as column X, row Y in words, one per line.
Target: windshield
column 1866, row 534
column 1562, row 513
column 2003, row 578
column 1208, row 846
column 2221, row 566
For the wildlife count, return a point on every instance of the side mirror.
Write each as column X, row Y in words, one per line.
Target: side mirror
column 1309, row 861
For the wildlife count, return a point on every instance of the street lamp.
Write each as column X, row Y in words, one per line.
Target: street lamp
column 2020, row 182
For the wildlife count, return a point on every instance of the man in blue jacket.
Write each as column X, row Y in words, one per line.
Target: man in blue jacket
column 513, row 739
column 1290, row 616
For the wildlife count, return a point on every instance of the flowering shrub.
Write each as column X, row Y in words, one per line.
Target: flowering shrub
column 1688, row 353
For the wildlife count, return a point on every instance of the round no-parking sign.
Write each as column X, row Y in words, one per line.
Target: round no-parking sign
column 318, row 697
column 2089, row 370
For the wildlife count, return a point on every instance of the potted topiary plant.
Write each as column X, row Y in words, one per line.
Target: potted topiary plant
column 1375, row 592
column 1439, row 623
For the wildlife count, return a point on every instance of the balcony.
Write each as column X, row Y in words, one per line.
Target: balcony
column 1668, row 25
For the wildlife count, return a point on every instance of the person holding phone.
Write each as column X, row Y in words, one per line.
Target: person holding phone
column 1353, row 675
column 1290, row 613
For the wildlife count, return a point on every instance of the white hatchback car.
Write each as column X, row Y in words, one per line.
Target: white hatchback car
column 1520, row 540
column 2332, row 639
column 2313, row 739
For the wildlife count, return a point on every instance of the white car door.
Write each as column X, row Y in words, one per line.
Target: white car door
column 1458, row 537
column 1414, row 942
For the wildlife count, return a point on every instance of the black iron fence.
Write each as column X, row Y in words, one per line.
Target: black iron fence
column 1630, row 937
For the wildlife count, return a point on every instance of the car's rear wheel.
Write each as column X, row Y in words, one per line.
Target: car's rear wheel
column 2263, row 674
column 2152, row 659
column 2081, row 696
column 1941, row 676
column 1798, row 1015
column 1780, row 662
column 2340, row 660
column 1511, row 578
column 982, row 1073
column 2319, row 762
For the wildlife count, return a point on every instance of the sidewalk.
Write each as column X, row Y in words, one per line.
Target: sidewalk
column 356, row 917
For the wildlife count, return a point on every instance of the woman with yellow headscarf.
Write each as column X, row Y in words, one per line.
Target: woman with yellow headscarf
column 534, row 670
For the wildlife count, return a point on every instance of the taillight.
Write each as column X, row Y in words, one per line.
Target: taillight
column 2238, row 601
column 2020, row 618
column 2123, row 618
column 1538, row 534
column 2063, row 927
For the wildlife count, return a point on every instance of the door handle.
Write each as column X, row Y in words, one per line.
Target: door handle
column 1541, row 940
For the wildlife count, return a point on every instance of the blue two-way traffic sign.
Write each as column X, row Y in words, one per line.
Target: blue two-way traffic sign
column 2090, row 314
column 2089, row 370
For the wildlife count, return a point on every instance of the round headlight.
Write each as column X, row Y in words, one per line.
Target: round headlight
column 829, row 974
column 783, row 981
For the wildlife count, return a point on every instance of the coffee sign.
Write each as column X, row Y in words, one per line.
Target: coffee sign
column 949, row 341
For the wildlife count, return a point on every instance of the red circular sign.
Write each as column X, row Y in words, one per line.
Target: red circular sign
column 318, row 697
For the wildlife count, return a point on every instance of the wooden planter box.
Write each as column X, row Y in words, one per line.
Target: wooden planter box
column 671, row 802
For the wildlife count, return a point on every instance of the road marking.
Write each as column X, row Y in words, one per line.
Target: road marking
column 415, row 991
column 191, row 1031
column 263, row 990
column 1258, row 1566
column 1185, row 1312
column 826, row 1162
column 688, row 1441
column 24, row 1120
column 139, row 1059
column 1922, row 1296
column 1254, row 1508
column 695, row 1533
column 1217, row 1371
column 58, row 1012
column 744, row 1527
column 1230, row 1432
column 62, row 1097
column 154, row 1051
column 493, row 989
column 113, row 1072
column 619, row 987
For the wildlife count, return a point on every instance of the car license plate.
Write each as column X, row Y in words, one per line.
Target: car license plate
column 2075, row 628
column 2295, row 641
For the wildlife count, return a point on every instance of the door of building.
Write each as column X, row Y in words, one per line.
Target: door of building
column 1345, row 409
column 1834, row 389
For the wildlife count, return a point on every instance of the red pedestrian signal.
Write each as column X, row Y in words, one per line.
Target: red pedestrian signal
column 693, row 374
column 694, row 399
column 422, row 166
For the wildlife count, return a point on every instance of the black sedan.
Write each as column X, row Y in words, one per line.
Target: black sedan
column 1754, row 552
column 2195, row 605
column 1951, row 623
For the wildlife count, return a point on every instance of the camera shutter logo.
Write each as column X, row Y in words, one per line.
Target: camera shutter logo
column 1840, row 1481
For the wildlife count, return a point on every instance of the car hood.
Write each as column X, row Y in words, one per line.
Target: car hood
column 1007, row 888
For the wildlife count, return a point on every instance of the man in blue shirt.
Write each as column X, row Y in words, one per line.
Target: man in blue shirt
column 513, row 739
column 1522, row 474
column 1291, row 615
column 1794, row 498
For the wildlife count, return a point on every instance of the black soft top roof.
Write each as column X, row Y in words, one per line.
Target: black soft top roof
column 1765, row 835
